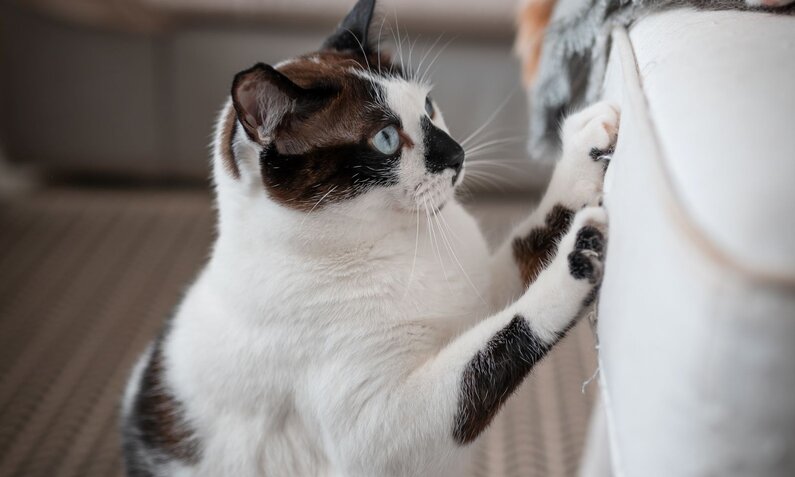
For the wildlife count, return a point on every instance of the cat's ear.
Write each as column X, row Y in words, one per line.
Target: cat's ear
column 262, row 97
column 352, row 32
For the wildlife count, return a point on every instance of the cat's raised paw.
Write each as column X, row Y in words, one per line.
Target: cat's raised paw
column 591, row 133
column 588, row 136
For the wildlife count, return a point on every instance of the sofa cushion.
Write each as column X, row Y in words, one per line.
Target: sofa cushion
column 720, row 95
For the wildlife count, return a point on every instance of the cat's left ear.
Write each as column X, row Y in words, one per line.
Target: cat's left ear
column 352, row 32
column 263, row 97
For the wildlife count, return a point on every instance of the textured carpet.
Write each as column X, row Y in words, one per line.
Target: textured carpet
column 86, row 279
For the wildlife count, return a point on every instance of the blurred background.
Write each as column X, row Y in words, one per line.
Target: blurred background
column 130, row 88
column 106, row 110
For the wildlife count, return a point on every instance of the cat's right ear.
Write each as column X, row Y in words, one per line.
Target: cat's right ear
column 262, row 97
column 352, row 32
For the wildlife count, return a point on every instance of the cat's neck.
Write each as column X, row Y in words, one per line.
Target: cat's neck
column 256, row 226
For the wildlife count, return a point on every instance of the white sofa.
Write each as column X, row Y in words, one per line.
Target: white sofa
column 697, row 312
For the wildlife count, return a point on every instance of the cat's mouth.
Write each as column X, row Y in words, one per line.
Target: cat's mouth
column 435, row 191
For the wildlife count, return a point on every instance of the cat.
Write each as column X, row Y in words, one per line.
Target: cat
column 350, row 320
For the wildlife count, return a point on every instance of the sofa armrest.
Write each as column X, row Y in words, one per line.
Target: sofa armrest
column 697, row 311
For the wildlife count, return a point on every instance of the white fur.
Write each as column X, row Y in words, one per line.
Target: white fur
column 331, row 343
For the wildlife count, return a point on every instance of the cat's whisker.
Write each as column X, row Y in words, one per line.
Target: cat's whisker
column 427, row 52
column 502, row 160
column 498, row 175
column 380, row 36
column 485, row 175
column 316, row 204
column 399, row 39
column 516, row 138
column 427, row 71
column 414, row 261
column 490, row 118
column 486, row 179
column 496, row 164
column 480, row 156
column 361, row 47
column 439, row 218
column 412, row 44
column 434, row 242
column 486, row 154
column 494, row 143
column 493, row 132
column 475, row 185
column 466, row 275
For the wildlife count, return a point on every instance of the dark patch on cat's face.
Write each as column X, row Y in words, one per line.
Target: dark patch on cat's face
column 493, row 374
column 158, row 417
column 538, row 247
column 441, row 151
column 328, row 155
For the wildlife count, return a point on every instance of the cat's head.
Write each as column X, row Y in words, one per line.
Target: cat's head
column 344, row 123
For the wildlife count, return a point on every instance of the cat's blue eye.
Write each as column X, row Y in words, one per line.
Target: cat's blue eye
column 429, row 107
column 387, row 140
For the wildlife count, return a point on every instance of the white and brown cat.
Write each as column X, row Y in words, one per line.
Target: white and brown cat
column 351, row 320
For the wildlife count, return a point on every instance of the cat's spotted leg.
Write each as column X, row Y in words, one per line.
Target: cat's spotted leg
column 538, row 320
column 411, row 417
column 575, row 183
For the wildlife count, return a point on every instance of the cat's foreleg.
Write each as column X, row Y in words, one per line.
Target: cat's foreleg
column 476, row 372
column 576, row 182
column 434, row 408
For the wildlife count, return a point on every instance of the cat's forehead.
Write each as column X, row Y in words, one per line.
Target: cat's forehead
column 330, row 66
column 366, row 97
column 368, row 78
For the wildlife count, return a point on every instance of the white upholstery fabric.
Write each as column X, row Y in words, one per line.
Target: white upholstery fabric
column 697, row 312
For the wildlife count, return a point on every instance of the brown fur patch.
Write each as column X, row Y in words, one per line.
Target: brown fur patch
column 533, row 251
column 227, row 136
column 158, row 415
column 345, row 118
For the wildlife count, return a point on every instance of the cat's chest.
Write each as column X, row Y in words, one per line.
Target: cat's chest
column 430, row 275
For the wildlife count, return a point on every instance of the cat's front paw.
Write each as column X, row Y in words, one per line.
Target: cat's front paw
column 571, row 282
column 588, row 243
column 590, row 132
column 587, row 137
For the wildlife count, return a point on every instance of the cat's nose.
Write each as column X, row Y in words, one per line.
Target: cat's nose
column 441, row 151
column 456, row 159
